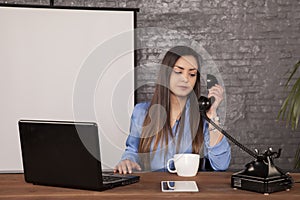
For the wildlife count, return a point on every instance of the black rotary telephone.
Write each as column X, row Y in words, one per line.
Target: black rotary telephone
column 260, row 175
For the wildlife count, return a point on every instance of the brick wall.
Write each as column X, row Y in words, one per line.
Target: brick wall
column 250, row 44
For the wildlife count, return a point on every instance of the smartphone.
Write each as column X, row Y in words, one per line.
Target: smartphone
column 179, row 186
column 211, row 81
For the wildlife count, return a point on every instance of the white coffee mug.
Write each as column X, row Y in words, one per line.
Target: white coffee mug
column 186, row 164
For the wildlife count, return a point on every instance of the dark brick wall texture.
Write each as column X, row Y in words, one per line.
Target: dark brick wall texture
column 252, row 44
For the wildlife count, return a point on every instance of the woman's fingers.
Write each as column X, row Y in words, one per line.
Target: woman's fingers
column 126, row 166
column 129, row 166
column 137, row 166
column 217, row 92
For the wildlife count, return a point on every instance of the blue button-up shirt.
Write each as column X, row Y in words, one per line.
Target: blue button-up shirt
column 218, row 155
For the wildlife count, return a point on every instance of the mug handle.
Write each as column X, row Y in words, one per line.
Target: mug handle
column 168, row 166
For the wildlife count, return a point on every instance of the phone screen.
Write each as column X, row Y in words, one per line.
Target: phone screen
column 168, row 185
column 179, row 186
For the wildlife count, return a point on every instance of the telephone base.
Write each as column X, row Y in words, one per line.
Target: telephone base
column 261, row 185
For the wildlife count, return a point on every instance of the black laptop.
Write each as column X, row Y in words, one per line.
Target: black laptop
column 65, row 154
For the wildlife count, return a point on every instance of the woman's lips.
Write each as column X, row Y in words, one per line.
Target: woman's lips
column 183, row 87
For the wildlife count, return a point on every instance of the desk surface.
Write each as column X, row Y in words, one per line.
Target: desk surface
column 212, row 185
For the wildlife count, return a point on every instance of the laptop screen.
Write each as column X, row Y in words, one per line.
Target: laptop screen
column 61, row 153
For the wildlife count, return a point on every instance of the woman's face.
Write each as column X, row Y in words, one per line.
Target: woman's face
column 183, row 76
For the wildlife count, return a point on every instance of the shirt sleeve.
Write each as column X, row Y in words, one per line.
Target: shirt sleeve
column 218, row 155
column 133, row 140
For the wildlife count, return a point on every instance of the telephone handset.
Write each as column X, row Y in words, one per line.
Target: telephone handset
column 211, row 81
column 204, row 102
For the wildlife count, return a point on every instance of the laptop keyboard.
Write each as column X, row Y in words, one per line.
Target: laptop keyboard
column 111, row 178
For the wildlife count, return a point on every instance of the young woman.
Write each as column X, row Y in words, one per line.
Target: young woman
column 171, row 122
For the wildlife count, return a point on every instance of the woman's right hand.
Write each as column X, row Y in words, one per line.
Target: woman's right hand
column 126, row 166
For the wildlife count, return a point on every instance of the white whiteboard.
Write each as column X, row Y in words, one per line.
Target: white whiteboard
column 66, row 64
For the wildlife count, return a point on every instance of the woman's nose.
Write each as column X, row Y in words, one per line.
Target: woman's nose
column 185, row 77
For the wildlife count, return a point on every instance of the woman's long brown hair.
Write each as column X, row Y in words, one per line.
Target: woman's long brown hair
column 156, row 125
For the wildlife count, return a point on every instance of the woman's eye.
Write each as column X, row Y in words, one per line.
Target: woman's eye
column 192, row 75
column 177, row 72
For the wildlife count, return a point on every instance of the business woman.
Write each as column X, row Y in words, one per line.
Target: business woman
column 171, row 122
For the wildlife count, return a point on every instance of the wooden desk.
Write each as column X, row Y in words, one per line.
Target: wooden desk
column 212, row 185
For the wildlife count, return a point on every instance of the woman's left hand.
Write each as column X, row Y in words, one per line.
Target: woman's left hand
column 217, row 92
